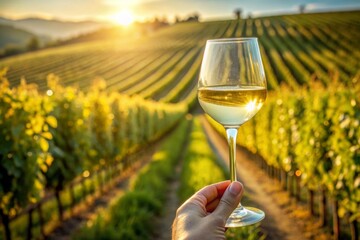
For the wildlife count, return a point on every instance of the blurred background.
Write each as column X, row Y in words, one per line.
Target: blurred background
column 102, row 137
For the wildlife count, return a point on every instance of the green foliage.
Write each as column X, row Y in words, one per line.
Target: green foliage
column 71, row 134
column 24, row 144
column 343, row 178
column 100, row 124
column 314, row 133
column 132, row 216
column 99, row 229
column 200, row 167
column 50, row 139
column 129, row 218
column 119, row 126
column 248, row 233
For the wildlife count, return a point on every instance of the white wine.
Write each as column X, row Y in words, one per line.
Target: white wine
column 232, row 105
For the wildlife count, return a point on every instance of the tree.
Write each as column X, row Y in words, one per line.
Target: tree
column 193, row 17
column 302, row 8
column 177, row 19
column 237, row 13
column 33, row 44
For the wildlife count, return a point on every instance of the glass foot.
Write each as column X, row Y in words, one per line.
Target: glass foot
column 244, row 216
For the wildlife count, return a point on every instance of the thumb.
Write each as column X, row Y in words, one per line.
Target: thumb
column 229, row 200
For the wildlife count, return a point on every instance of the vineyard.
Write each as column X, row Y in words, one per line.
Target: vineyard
column 73, row 118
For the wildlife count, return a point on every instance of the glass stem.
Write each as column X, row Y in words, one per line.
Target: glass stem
column 231, row 134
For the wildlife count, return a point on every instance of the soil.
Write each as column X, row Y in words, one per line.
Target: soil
column 164, row 223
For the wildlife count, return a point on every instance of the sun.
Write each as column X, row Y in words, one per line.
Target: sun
column 124, row 18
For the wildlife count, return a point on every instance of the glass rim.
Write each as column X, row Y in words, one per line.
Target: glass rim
column 232, row 40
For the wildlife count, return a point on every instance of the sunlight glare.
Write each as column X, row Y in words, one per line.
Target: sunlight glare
column 251, row 106
column 124, row 18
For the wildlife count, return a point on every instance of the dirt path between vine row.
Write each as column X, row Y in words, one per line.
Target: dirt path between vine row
column 260, row 190
column 163, row 224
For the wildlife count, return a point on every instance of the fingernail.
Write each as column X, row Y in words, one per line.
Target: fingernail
column 235, row 188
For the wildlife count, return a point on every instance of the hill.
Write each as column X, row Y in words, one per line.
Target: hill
column 14, row 36
column 116, row 32
column 55, row 29
column 163, row 65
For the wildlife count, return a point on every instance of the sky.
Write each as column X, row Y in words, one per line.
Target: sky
column 77, row 10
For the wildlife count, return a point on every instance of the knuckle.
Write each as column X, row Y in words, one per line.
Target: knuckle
column 218, row 220
column 226, row 202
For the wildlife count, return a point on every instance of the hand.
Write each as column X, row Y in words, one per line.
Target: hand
column 203, row 215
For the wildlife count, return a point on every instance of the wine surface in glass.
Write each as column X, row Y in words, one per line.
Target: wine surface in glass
column 232, row 105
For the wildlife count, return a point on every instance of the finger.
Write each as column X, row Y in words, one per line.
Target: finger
column 213, row 191
column 204, row 196
column 212, row 206
column 229, row 200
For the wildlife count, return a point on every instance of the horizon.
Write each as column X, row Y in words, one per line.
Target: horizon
column 266, row 14
column 144, row 10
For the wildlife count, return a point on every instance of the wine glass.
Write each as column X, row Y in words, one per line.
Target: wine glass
column 232, row 89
